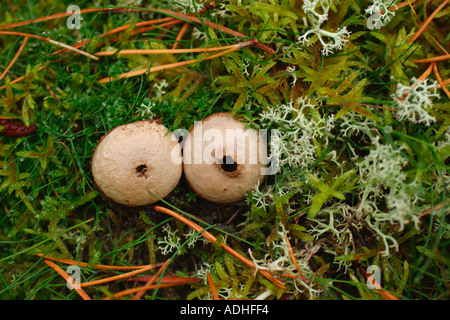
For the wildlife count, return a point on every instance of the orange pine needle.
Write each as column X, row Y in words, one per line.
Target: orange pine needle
column 180, row 34
column 212, row 287
column 62, row 15
column 439, row 79
column 22, row 46
column 144, row 289
column 176, row 64
column 426, row 73
column 98, row 266
column 66, row 277
column 433, row 59
column 118, row 277
column 139, row 289
column 60, row 44
column 168, row 21
column 291, row 253
column 386, row 295
column 213, row 240
column 428, row 21
column 166, row 279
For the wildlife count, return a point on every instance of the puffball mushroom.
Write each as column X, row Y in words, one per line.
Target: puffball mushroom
column 222, row 159
column 136, row 158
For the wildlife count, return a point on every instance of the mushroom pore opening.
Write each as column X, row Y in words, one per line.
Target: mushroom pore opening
column 227, row 164
column 142, row 170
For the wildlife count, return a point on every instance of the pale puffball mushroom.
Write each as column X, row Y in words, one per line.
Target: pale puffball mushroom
column 222, row 159
column 136, row 158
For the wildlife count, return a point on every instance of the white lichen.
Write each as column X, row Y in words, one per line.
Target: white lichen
column 414, row 101
column 330, row 41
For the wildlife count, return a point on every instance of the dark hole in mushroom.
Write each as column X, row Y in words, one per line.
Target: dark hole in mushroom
column 227, row 164
column 142, row 170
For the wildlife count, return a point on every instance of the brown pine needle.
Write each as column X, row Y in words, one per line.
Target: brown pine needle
column 213, row 240
column 428, row 21
column 98, row 266
column 66, row 277
column 176, row 64
column 22, row 46
column 118, row 277
column 439, row 79
column 60, row 44
column 212, row 287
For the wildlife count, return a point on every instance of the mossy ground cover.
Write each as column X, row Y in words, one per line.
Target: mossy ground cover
column 357, row 90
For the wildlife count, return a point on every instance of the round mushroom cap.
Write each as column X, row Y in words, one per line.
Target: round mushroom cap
column 222, row 159
column 136, row 158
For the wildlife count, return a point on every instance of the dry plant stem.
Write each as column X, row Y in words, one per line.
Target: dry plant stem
column 67, row 277
column 428, row 21
column 118, row 277
column 439, row 79
column 14, row 33
column 213, row 240
column 22, row 46
column 176, row 64
column 144, row 289
column 212, row 287
column 161, row 51
column 99, row 266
